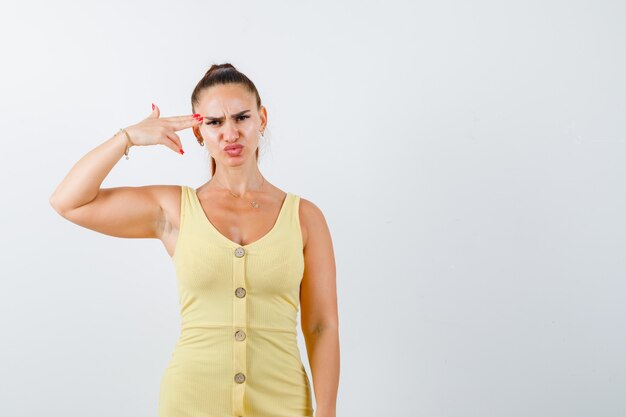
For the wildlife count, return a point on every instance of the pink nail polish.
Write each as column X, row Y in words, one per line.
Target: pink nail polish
column 181, row 151
column 152, row 106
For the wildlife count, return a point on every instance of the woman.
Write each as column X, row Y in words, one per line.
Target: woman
column 247, row 255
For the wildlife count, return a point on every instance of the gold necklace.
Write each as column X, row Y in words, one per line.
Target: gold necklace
column 254, row 204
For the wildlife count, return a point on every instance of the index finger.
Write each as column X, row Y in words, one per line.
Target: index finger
column 182, row 122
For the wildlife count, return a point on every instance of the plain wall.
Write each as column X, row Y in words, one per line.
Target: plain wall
column 468, row 158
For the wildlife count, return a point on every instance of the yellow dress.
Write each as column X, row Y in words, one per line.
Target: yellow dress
column 237, row 354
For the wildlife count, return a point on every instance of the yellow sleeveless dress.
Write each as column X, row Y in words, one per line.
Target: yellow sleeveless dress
column 237, row 354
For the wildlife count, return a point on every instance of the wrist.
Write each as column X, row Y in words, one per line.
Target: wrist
column 128, row 143
column 325, row 411
column 126, row 134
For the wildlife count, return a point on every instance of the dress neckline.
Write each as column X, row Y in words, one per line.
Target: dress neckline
column 228, row 240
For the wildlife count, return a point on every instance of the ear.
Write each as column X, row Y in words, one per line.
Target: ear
column 263, row 116
column 197, row 134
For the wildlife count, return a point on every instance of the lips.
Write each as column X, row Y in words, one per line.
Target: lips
column 230, row 147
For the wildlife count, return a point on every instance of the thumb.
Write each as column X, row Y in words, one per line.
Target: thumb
column 155, row 112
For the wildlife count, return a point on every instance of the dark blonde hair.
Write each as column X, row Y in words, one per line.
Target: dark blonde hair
column 218, row 75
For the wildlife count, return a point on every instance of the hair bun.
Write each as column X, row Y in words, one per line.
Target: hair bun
column 216, row 67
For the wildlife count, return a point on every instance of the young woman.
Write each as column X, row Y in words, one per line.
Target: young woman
column 247, row 256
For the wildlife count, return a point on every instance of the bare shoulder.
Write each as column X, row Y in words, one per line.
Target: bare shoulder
column 312, row 221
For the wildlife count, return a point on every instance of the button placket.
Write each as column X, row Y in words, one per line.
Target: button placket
column 239, row 327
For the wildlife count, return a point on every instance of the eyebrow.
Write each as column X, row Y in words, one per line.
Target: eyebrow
column 219, row 119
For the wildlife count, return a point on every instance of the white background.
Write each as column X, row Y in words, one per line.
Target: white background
column 468, row 157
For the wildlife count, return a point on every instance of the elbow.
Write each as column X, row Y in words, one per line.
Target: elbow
column 53, row 203
column 57, row 205
column 321, row 327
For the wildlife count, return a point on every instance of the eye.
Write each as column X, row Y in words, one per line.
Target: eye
column 239, row 117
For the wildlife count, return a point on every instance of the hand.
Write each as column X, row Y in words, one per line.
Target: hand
column 155, row 130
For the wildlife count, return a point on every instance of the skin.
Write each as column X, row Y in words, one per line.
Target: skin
column 154, row 211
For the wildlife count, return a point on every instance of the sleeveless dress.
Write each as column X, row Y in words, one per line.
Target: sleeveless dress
column 237, row 354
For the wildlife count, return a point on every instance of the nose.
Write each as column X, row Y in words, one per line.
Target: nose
column 230, row 131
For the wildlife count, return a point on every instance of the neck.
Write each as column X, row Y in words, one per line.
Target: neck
column 239, row 180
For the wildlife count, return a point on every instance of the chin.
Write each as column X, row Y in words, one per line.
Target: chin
column 235, row 160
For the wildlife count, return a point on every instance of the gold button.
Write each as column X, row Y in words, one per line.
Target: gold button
column 240, row 335
column 239, row 378
column 240, row 292
column 239, row 252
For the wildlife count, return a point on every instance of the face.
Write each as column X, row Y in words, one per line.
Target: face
column 230, row 117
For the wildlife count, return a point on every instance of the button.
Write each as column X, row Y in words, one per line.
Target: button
column 239, row 252
column 240, row 335
column 240, row 292
column 239, row 378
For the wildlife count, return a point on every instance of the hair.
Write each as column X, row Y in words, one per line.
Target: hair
column 219, row 75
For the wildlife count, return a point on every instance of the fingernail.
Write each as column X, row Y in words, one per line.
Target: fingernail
column 181, row 151
column 196, row 115
column 152, row 106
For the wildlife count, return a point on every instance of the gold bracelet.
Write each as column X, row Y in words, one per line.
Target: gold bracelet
column 129, row 141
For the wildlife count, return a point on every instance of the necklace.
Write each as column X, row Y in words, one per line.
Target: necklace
column 254, row 204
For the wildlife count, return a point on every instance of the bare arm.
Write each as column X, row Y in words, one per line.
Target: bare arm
column 320, row 324
column 82, row 183
column 120, row 211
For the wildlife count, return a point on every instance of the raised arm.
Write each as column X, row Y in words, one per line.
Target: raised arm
column 121, row 211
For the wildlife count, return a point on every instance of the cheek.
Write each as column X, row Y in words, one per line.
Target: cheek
column 211, row 136
column 208, row 131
